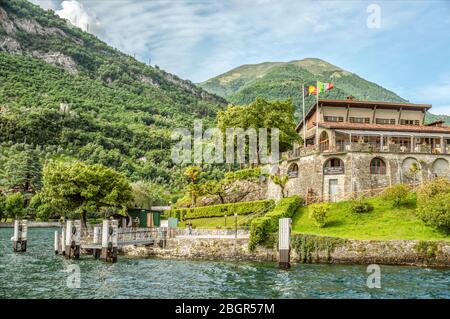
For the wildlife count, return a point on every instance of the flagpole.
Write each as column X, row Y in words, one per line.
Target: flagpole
column 304, row 122
column 317, row 114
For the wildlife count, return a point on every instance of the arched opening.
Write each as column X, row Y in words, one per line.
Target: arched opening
column 440, row 168
column 324, row 142
column 377, row 166
column 293, row 170
column 411, row 170
column 333, row 166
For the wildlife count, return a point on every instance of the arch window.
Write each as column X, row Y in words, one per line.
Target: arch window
column 377, row 166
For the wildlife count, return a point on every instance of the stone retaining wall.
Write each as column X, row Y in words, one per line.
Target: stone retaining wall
column 310, row 250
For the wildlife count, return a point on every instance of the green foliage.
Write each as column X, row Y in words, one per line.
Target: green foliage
column 244, row 208
column 244, row 174
column 433, row 203
column 3, row 213
column 22, row 169
column 262, row 227
column 308, row 246
column 78, row 188
column 281, row 181
column 361, row 205
column 120, row 112
column 15, row 205
column 396, row 194
column 262, row 114
column 428, row 249
column 318, row 213
column 147, row 194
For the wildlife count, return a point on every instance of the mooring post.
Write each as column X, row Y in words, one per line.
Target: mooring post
column 23, row 243
column 96, row 251
column 63, row 240
column 56, row 246
column 284, row 234
column 109, row 240
column 16, row 235
column 20, row 236
column 73, row 237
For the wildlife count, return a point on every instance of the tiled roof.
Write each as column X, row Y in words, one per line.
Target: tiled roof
column 386, row 127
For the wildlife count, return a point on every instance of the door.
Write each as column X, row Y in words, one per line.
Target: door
column 149, row 220
column 333, row 190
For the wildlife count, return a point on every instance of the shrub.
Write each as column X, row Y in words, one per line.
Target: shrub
column 360, row 205
column 244, row 174
column 396, row 194
column 318, row 213
column 433, row 204
column 230, row 209
column 262, row 227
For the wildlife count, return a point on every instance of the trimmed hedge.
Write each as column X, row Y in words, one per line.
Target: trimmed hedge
column 262, row 227
column 245, row 208
column 244, row 174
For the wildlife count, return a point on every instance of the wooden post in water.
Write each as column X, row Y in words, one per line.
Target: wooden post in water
column 284, row 234
column 20, row 236
column 62, row 246
column 109, row 241
column 96, row 251
column 73, row 236
column 56, row 246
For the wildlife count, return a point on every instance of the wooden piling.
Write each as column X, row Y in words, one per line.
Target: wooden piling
column 284, row 234
column 20, row 236
column 109, row 241
column 73, row 237
column 62, row 245
column 96, row 252
column 56, row 244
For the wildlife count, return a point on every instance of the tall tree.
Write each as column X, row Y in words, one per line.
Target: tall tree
column 2, row 206
column 262, row 114
column 22, row 169
column 193, row 172
column 78, row 188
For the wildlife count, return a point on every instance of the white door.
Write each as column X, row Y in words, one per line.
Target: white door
column 333, row 190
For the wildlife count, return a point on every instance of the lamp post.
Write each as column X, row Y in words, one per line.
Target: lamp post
column 225, row 221
column 235, row 226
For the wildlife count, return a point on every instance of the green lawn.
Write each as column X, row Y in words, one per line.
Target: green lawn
column 384, row 222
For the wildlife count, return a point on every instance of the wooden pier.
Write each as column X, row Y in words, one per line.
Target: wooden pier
column 104, row 241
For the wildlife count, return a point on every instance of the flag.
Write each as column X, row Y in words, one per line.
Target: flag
column 321, row 87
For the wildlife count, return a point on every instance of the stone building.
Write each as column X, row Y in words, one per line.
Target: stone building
column 362, row 147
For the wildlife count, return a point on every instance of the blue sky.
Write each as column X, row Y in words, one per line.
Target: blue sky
column 409, row 53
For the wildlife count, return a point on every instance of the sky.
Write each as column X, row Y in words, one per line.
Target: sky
column 402, row 45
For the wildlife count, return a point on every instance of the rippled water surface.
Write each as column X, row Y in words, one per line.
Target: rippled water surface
column 40, row 274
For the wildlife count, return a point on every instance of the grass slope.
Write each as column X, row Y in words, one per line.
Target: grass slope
column 384, row 223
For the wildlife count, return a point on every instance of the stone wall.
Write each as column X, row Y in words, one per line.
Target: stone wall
column 306, row 249
column 357, row 176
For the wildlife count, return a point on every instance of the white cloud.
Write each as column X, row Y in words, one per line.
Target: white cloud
column 75, row 12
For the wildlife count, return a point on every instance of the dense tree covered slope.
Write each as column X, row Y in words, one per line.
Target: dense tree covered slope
column 68, row 94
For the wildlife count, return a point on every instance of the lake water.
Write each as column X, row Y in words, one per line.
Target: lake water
column 38, row 273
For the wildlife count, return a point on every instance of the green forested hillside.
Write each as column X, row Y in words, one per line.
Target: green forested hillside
column 67, row 94
column 280, row 80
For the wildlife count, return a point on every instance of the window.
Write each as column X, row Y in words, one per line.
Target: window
column 334, row 119
column 333, row 166
column 409, row 122
column 360, row 120
column 385, row 121
column 377, row 166
column 293, row 170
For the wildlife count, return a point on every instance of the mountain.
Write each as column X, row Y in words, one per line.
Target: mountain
column 280, row 80
column 68, row 94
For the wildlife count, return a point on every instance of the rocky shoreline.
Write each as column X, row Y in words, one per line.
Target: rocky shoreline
column 304, row 249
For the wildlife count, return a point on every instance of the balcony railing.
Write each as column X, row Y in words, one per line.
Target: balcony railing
column 370, row 147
